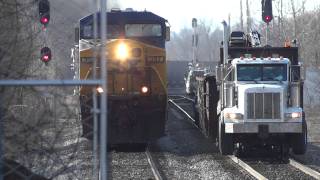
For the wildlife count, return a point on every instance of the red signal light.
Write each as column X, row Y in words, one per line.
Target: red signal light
column 45, row 58
column 45, row 54
column 268, row 18
column 44, row 20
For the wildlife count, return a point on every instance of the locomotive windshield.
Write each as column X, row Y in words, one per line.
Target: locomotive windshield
column 143, row 30
column 113, row 32
column 129, row 30
column 262, row 72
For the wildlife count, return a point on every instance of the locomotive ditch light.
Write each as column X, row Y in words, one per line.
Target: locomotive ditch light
column 122, row 51
column 45, row 54
column 144, row 89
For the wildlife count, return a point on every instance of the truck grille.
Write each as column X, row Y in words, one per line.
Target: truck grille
column 263, row 105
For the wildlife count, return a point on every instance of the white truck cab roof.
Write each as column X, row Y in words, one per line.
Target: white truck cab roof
column 260, row 61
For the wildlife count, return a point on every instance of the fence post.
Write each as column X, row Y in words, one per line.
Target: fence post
column 1, row 141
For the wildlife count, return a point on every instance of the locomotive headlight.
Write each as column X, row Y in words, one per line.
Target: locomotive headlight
column 293, row 115
column 99, row 90
column 122, row 51
column 235, row 116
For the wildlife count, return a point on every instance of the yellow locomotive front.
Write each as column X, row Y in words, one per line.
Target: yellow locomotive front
column 136, row 61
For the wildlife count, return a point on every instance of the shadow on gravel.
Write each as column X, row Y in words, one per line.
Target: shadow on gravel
column 128, row 148
column 312, row 156
column 183, row 138
column 268, row 154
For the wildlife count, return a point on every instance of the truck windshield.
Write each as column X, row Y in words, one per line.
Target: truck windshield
column 262, row 72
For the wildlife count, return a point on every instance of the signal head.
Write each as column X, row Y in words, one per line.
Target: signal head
column 44, row 11
column 267, row 10
column 45, row 54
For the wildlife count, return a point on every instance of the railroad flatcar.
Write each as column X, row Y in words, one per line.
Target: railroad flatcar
column 137, row 75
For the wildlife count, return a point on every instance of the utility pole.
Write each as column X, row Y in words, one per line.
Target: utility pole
column 103, row 109
column 195, row 41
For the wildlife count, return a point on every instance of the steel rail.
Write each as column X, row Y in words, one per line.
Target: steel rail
column 181, row 109
column 304, row 168
column 153, row 165
column 248, row 168
column 183, row 97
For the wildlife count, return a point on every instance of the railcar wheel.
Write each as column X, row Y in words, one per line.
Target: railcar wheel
column 226, row 146
column 299, row 141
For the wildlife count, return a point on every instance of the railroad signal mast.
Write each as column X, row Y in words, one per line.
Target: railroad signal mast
column 267, row 15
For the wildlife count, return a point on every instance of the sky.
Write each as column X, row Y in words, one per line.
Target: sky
column 179, row 13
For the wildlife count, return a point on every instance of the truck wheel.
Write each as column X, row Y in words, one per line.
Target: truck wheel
column 225, row 141
column 299, row 141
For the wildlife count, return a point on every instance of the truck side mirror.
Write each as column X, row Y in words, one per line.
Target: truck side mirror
column 76, row 35
column 298, row 73
column 167, row 33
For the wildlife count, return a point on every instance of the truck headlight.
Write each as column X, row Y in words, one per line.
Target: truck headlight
column 293, row 115
column 235, row 116
column 122, row 51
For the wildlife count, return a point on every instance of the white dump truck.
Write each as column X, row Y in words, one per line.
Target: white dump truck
column 254, row 98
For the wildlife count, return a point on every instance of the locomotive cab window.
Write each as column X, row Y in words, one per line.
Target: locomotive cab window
column 143, row 30
column 114, row 31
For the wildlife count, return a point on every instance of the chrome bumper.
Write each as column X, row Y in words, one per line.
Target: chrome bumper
column 273, row 127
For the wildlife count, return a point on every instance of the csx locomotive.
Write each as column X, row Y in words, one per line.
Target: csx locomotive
column 136, row 67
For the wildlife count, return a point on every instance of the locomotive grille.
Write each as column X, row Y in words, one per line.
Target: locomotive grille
column 263, row 105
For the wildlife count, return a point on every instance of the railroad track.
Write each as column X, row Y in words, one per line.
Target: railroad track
column 133, row 162
column 154, row 165
column 258, row 173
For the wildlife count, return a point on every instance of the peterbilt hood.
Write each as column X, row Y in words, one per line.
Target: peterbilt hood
column 247, row 88
column 244, row 89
